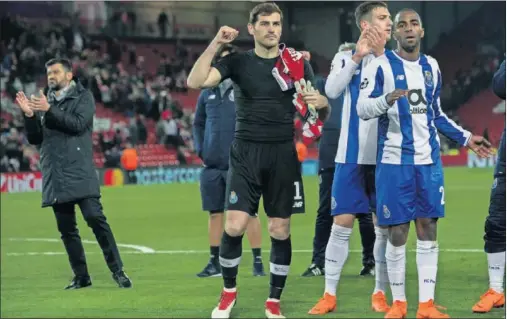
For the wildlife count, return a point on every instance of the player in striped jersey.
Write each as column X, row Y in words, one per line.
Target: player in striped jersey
column 409, row 176
column 353, row 190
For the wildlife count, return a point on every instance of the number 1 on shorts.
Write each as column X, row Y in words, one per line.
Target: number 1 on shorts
column 297, row 195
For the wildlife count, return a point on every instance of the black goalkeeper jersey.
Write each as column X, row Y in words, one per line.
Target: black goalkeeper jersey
column 264, row 113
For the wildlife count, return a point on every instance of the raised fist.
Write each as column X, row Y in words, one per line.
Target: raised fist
column 226, row 35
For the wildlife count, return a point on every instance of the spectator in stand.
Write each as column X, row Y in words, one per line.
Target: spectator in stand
column 163, row 22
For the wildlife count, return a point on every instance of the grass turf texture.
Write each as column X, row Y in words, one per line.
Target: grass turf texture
column 168, row 218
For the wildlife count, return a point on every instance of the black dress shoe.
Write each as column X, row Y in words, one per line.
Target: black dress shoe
column 79, row 282
column 122, row 279
column 314, row 271
column 368, row 270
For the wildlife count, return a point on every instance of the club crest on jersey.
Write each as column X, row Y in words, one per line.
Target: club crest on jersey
column 386, row 211
column 233, row 199
column 428, row 78
column 364, row 84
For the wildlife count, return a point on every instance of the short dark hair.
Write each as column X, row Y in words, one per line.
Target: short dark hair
column 365, row 9
column 64, row 62
column 231, row 48
column 408, row 10
column 264, row 9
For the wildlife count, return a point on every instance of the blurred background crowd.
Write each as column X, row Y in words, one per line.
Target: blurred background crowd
column 136, row 58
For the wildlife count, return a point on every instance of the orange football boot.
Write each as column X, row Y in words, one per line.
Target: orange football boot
column 379, row 302
column 397, row 311
column 491, row 299
column 324, row 305
column 429, row 310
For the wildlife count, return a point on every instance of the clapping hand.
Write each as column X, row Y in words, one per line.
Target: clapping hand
column 23, row 103
column 39, row 103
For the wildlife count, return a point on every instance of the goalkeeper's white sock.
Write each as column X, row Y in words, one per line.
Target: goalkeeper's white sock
column 379, row 252
column 496, row 269
column 337, row 251
column 427, row 266
column 395, row 260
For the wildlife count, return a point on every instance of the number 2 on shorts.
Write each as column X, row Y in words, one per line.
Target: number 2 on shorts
column 442, row 200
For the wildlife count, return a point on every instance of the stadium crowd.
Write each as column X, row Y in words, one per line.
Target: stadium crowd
column 125, row 89
column 128, row 89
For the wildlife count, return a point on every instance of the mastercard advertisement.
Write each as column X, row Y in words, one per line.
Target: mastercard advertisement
column 147, row 176
column 113, row 177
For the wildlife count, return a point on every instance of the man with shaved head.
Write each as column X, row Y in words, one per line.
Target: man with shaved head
column 402, row 89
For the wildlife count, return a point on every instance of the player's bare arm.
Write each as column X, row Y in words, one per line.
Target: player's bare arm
column 202, row 74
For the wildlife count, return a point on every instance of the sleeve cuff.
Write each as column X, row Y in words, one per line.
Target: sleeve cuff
column 383, row 102
column 467, row 135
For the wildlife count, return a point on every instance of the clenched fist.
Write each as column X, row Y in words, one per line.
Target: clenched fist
column 226, row 35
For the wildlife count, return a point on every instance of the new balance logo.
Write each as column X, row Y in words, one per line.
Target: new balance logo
column 297, row 204
column 400, row 77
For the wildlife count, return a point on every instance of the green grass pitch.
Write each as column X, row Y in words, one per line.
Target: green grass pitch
column 168, row 220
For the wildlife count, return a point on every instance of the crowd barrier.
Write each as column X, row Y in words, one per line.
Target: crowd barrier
column 32, row 181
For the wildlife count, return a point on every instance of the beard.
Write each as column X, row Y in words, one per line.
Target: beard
column 56, row 86
column 410, row 47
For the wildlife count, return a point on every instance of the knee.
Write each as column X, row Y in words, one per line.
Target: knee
column 279, row 228
column 67, row 230
column 236, row 223
column 365, row 219
column 426, row 229
column 398, row 235
column 95, row 221
column 344, row 220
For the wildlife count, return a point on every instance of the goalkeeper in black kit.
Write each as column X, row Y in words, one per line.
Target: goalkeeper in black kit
column 263, row 158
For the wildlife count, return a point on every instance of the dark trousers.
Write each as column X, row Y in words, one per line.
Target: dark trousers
column 91, row 208
column 494, row 229
column 324, row 223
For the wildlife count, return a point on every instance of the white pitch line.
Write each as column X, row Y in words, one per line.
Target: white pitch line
column 142, row 249
column 195, row 252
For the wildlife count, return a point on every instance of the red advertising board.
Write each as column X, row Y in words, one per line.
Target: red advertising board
column 21, row 182
column 458, row 159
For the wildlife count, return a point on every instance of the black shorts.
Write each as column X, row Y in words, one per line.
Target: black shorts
column 270, row 170
column 212, row 185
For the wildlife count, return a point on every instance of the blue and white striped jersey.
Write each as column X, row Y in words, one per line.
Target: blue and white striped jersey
column 358, row 138
column 407, row 130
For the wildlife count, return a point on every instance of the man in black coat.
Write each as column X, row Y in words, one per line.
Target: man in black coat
column 62, row 125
